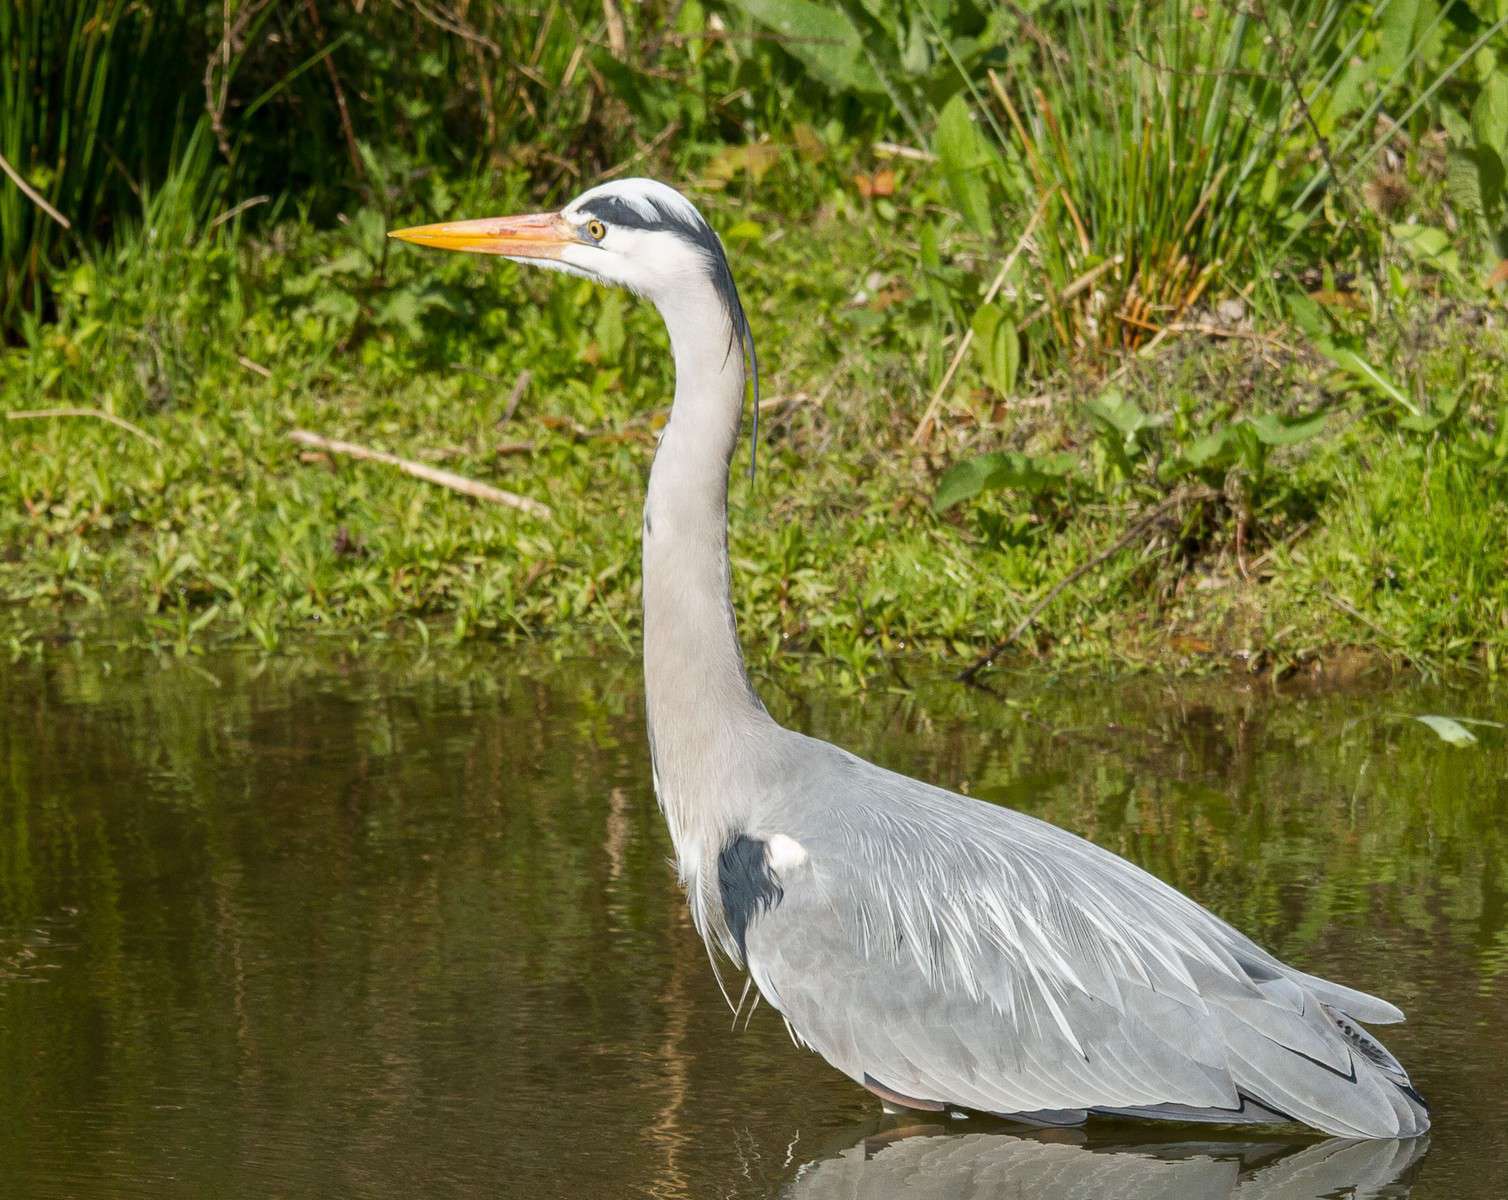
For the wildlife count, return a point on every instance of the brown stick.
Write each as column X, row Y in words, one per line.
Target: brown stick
column 1137, row 528
column 99, row 413
column 896, row 150
column 924, row 426
column 217, row 96
column 446, row 479
column 1347, row 607
column 617, row 35
column 520, row 386
column 230, row 214
column 644, row 151
column 353, row 148
column 1073, row 289
column 450, row 22
column 32, row 194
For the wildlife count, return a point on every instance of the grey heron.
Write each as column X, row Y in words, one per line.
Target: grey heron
column 943, row 952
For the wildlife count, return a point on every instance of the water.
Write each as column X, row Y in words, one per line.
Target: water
column 385, row 928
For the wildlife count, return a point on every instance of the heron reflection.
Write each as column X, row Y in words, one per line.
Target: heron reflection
column 1066, row 1165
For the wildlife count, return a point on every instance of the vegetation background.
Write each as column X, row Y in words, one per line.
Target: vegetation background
column 1166, row 333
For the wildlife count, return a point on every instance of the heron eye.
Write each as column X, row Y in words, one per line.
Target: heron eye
column 596, row 230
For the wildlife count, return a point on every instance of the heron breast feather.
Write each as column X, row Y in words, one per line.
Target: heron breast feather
column 784, row 853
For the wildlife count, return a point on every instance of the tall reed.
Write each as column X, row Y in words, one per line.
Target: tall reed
column 94, row 95
column 1171, row 146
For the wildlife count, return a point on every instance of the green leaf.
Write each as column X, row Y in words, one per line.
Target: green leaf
column 1425, row 241
column 986, row 318
column 1489, row 115
column 916, row 51
column 348, row 262
column 1035, row 475
column 608, row 331
column 1457, row 125
column 1398, row 283
column 400, row 308
column 1463, row 181
column 822, row 37
column 1311, row 320
column 405, row 307
column 1359, row 368
column 998, row 347
column 1122, row 420
column 1210, row 450
column 339, row 305
column 931, row 251
column 1346, row 96
column 965, row 156
column 745, row 231
column 1117, row 412
column 1448, row 729
column 1308, row 315
column 1491, row 175
column 370, row 230
column 1395, row 36
column 1428, row 422
column 1430, row 246
column 1273, row 430
column 1250, row 449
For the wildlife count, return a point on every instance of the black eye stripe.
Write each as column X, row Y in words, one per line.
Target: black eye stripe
column 614, row 210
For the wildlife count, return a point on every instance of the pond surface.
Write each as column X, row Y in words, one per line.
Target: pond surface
column 394, row 928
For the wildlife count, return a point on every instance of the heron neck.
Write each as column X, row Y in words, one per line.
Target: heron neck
column 702, row 710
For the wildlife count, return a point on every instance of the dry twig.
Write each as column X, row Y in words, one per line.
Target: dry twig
column 217, row 86
column 1136, row 529
column 353, row 148
column 446, row 479
column 516, row 394
column 896, row 150
column 451, row 22
column 617, row 35
column 230, row 214
column 32, row 194
column 98, row 413
column 644, row 151
column 924, row 426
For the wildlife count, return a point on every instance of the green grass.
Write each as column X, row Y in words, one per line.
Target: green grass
column 1323, row 470
column 1419, row 547
column 223, row 530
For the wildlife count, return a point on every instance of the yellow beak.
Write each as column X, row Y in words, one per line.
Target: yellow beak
column 537, row 235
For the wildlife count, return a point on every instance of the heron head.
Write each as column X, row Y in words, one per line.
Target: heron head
column 634, row 233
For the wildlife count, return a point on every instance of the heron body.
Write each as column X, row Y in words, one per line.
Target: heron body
column 943, row 952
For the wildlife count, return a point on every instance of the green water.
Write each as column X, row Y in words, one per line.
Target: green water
column 396, row 928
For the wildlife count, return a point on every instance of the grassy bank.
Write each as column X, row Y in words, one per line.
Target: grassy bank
column 199, row 520
column 1176, row 341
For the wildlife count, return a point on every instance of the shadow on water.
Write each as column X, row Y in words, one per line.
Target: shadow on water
column 1067, row 1165
column 404, row 927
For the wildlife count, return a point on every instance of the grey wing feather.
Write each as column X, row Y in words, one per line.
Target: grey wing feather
column 965, row 954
